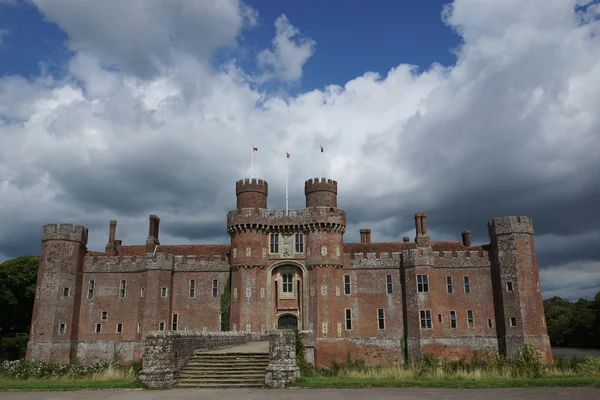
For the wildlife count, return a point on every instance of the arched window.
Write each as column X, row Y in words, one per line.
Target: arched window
column 288, row 286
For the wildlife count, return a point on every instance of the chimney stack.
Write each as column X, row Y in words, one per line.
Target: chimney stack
column 152, row 240
column 466, row 238
column 365, row 236
column 111, row 246
column 406, row 239
column 422, row 239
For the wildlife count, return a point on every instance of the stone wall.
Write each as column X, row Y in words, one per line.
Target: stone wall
column 168, row 351
column 282, row 367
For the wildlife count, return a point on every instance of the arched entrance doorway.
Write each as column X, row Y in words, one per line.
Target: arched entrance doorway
column 287, row 321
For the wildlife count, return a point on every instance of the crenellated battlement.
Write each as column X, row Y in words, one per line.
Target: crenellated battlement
column 446, row 259
column 160, row 261
column 510, row 224
column 321, row 218
column 379, row 260
column 252, row 185
column 65, row 232
column 320, row 184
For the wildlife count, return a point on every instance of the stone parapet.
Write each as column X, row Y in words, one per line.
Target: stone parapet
column 382, row 260
column 314, row 218
column 446, row 259
column 508, row 225
column 168, row 351
column 282, row 367
column 65, row 232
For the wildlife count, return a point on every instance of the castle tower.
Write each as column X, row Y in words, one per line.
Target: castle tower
column 324, row 256
column 248, row 227
column 516, row 285
column 55, row 319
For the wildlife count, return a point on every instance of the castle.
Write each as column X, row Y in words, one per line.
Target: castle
column 381, row 302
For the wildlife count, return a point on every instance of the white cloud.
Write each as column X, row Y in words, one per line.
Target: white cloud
column 290, row 52
column 143, row 37
column 511, row 129
column 572, row 281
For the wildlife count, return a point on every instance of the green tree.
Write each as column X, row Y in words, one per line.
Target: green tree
column 573, row 324
column 17, row 292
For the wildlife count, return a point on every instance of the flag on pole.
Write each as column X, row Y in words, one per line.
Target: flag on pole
column 254, row 149
column 322, row 149
column 287, row 154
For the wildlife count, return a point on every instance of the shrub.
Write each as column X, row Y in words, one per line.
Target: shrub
column 21, row 369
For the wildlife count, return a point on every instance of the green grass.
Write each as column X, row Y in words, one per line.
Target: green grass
column 78, row 384
column 456, row 383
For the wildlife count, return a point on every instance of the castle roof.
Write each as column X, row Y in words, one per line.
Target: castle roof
column 178, row 250
column 388, row 247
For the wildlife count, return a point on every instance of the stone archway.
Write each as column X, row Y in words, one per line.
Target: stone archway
column 287, row 321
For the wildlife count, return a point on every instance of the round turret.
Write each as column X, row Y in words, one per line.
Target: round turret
column 320, row 193
column 251, row 193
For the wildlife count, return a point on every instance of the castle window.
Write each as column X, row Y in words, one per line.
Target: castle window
column 192, row 288
column 537, row 286
column 426, row 319
column 139, row 328
column 37, row 293
column 288, row 283
column 453, row 319
column 348, row 319
column 380, row 318
column 449, row 284
column 66, row 292
column 174, row 319
column 161, row 326
column 513, row 321
column 440, row 318
column 223, row 323
column 299, row 243
column 543, row 321
column 62, row 328
column 122, row 290
column 467, row 284
column 104, row 315
column 346, row 284
column 91, row 290
column 470, row 319
column 509, row 286
column 215, row 288
column 490, row 323
column 141, row 292
column 98, row 328
column 274, row 248
column 388, row 282
column 422, row 283
column 163, row 292
column 119, row 328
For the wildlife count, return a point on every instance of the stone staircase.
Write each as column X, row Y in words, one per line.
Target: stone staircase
column 224, row 370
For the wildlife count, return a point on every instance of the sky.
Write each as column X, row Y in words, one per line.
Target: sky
column 467, row 110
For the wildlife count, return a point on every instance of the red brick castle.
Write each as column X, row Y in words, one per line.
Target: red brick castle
column 380, row 302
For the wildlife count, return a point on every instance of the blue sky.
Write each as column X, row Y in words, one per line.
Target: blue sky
column 130, row 121
column 353, row 37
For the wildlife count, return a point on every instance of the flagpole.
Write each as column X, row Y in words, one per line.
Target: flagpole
column 321, row 162
column 286, row 182
column 252, row 161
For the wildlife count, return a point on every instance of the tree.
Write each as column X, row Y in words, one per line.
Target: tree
column 17, row 292
column 573, row 324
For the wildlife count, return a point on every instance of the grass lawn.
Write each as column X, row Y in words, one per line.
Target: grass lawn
column 47, row 384
column 548, row 381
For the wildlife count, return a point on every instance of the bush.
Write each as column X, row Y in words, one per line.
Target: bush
column 13, row 347
column 21, row 369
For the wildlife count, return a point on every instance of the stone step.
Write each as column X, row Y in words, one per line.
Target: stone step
column 220, row 381
column 193, row 369
column 200, row 354
column 219, row 385
column 185, row 372
column 227, row 364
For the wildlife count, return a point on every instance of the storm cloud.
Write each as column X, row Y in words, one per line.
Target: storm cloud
column 512, row 128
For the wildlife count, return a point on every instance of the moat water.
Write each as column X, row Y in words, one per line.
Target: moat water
column 572, row 351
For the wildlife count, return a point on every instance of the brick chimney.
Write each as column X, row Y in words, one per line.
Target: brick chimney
column 152, row 240
column 422, row 238
column 365, row 236
column 406, row 239
column 466, row 238
column 111, row 246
